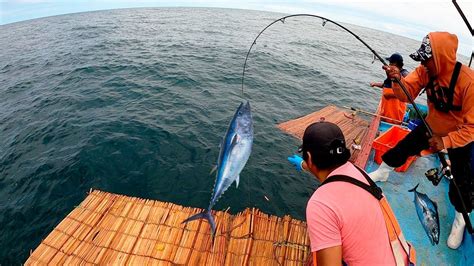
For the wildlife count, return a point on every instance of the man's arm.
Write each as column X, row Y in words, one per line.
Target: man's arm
column 324, row 233
column 376, row 84
column 329, row 256
column 413, row 82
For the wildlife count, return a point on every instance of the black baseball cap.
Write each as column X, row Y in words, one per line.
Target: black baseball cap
column 326, row 143
column 395, row 58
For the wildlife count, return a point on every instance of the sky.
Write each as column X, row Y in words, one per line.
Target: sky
column 412, row 19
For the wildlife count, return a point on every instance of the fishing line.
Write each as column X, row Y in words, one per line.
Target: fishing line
column 324, row 22
column 404, row 89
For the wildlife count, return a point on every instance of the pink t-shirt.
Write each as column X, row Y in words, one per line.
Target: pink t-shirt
column 340, row 213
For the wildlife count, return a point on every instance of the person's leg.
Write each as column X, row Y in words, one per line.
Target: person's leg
column 462, row 170
column 412, row 144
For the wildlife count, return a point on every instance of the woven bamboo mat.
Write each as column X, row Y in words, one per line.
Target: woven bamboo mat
column 354, row 128
column 115, row 229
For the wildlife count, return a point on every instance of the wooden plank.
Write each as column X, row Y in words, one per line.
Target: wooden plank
column 363, row 156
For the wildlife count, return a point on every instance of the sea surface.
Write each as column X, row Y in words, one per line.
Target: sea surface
column 136, row 102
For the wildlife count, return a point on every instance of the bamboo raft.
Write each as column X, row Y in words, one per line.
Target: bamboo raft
column 114, row 229
column 355, row 129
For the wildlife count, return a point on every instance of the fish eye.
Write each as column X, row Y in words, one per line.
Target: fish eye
column 240, row 112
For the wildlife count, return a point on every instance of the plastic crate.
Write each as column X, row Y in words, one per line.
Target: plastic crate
column 388, row 140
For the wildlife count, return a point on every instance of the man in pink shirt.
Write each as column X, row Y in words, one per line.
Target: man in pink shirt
column 345, row 222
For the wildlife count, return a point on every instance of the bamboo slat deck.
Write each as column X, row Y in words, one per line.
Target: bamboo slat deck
column 115, row 229
column 354, row 128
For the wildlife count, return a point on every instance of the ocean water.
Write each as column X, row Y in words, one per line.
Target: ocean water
column 136, row 101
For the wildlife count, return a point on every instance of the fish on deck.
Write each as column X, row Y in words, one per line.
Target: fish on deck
column 427, row 211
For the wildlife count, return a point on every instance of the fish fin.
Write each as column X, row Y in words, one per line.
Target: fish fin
column 237, row 181
column 414, row 189
column 204, row 215
column 213, row 169
column 234, row 140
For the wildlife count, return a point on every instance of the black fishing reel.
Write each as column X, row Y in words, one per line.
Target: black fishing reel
column 433, row 176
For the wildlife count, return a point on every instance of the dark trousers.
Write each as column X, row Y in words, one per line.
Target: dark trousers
column 462, row 162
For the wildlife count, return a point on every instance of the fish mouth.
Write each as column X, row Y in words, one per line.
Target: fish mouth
column 434, row 238
column 244, row 108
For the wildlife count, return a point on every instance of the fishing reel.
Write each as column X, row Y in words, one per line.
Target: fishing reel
column 434, row 175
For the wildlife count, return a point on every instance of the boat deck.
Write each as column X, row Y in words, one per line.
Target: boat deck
column 114, row 229
column 401, row 201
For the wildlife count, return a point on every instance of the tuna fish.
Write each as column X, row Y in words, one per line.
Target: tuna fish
column 234, row 152
column 427, row 211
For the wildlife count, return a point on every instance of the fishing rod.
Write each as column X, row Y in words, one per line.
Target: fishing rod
column 464, row 209
column 373, row 114
column 463, row 17
column 446, row 168
column 467, row 24
column 325, row 20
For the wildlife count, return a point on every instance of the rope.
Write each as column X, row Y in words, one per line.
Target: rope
column 277, row 244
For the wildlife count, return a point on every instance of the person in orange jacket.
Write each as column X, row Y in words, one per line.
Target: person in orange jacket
column 390, row 105
column 449, row 87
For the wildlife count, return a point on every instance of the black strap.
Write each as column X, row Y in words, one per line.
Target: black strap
column 372, row 188
column 452, row 84
column 436, row 96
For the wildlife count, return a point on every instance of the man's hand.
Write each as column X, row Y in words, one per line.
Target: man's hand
column 376, row 84
column 392, row 72
column 297, row 161
column 436, row 143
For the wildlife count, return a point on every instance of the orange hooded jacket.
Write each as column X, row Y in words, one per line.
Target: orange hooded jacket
column 455, row 127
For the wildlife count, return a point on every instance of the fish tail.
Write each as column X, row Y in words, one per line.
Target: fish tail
column 204, row 215
column 414, row 189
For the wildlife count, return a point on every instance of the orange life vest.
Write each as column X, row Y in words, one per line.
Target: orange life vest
column 392, row 107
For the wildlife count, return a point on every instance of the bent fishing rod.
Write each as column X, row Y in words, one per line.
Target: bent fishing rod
column 446, row 167
column 467, row 24
column 463, row 17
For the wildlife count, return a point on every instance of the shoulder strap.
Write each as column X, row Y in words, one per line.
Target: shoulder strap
column 397, row 241
column 372, row 188
column 454, row 77
column 452, row 84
